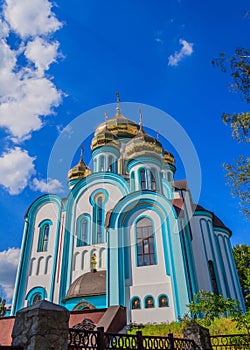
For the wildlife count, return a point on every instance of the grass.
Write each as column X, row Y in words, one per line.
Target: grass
column 218, row 326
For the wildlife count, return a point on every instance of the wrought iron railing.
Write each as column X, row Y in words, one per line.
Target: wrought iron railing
column 232, row 342
column 83, row 339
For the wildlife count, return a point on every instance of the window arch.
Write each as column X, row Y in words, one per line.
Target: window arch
column 163, row 300
column 145, row 243
column 98, row 199
column 83, row 230
column 213, row 277
column 35, row 295
column 136, row 303
column 143, row 179
column 111, row 163
column 102, row 163
column 153, row 179
column 43, row 239
column 132, row 181
column 149, row 302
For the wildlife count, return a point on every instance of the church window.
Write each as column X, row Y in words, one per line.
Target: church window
column 99, row 219
column 132, row 181
column 44, row 236
column 153, row 179
column 102, row 163
column 136, row 303
column 37, row 297
column 213, row 277
column 149, row 302
column 143, row 179
column 169, row 176
column 110, row 164
column 163, row 301
column 82, row 231
column 145, row 243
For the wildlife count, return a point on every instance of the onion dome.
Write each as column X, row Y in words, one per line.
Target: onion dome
column 105, row 138
column 168, row 157
column 119, row 125
column 79, row 171
column 88, row 284
column 142, row 143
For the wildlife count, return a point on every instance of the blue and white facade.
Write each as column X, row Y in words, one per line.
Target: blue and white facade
column 127, row 234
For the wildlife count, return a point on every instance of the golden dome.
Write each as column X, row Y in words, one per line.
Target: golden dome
column 168, row 157
column 79, row 171
column 119, row 126
column 141, row 144
column 105, row 138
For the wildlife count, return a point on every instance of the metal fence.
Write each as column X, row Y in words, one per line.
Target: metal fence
column 81, row 339
column 232, row 342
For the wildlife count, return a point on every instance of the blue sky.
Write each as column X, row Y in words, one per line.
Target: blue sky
column 57, row 62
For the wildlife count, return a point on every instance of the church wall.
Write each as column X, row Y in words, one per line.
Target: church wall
column 41, row 263
column 202, row 251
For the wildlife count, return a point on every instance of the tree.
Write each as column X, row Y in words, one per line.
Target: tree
column 241, row 254
column 238, row 174
column 2, row 307
column 209, row 306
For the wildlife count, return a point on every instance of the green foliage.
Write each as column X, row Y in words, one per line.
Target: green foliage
column 210, row 306
column 241, row 254
column 238, row 174
column 2, row 307
column 238, row 179
column 221, row 325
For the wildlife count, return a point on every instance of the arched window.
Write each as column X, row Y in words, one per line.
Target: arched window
column 143, row 179
column 153, row 179
column 37, row 297
column 163, row 301
column 102, row 163
column 99, row 219
column 110, row 164
column 145, row 243
column 132, row 181
column 136, row 303
column 213, row 277
column 44, row 236
column 169, row 176
column 149, row 302
column 83, row 231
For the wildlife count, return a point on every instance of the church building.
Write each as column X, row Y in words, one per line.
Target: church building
column 127, row 234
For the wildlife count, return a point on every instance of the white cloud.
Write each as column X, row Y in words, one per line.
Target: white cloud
column 42, row 53
column 31, row 18
column 30, row 98
column 26, row 93
column 8, row 265
column 16, row 169
column 50, row 186
column 186, row 50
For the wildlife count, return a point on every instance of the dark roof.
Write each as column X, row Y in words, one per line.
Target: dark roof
column 180, row 185
column 90, row 283
column 216, row 221
column 178, row 206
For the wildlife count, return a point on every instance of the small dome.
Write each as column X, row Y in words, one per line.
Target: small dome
column 119, row 126
column 105, row 138
column 90, row 283
column 79, row 171
column 168, row 157
column 141, row 144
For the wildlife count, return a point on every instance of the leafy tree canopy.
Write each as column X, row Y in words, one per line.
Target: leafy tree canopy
column 241, row 254
column 2, row 307
column 238, row 174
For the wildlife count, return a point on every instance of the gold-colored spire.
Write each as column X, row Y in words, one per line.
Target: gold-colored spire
column 157, row 135
column 81, row 154
column 140, row 112
column 118, row 100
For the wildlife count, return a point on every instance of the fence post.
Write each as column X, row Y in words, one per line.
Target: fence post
column 100, row 338
column 171, row 341
column 139, row 340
